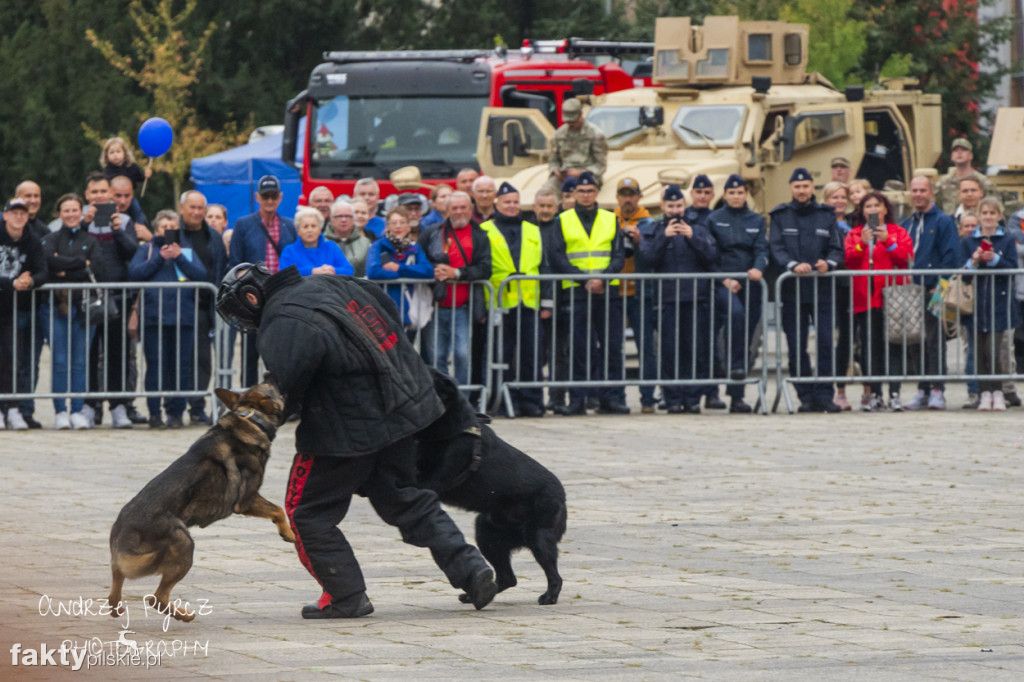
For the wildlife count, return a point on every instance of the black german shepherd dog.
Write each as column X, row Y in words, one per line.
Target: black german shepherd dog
column 220, row 475
column 519, row 503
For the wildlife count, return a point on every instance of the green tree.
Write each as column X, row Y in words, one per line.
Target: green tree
column 836, row 41
column 943, row 44
column 166, row 64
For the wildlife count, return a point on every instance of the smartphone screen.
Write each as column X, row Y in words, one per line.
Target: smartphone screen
column 172, row 236
column 873, row 221
column 104, row 212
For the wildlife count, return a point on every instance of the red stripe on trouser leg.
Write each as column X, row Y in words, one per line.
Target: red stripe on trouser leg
column 301, row 466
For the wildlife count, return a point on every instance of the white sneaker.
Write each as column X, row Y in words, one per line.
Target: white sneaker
column 61, row 421
column 89, row 414
column 119, row 418
column 876, row 404
column 80, row 422
column 985, row 401
column 918, row 402
column 894, row 402
column 998, row 402
column 2, row 425
column 937, row 400
column 15, row 422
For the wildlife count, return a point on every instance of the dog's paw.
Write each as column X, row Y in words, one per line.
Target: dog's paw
column 547, row 599
column 465, row 598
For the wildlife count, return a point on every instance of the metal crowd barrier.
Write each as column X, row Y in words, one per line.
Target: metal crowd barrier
column 100, row 345
column 924, row 359
column 469, row 322
column 603, row 316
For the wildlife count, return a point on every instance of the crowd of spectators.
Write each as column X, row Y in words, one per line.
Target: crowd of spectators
column 570, row 331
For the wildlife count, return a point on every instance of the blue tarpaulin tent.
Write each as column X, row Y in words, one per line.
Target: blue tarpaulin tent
column 230, row 177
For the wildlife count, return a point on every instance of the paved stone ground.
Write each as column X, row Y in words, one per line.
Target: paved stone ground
column 856, row 547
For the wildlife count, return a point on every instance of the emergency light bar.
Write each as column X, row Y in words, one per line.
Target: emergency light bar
column 466, row 56
column 581, row 46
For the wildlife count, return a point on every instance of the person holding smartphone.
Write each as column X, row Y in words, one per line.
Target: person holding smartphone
column 110, row 355
column 877, row 245
column 991, row 247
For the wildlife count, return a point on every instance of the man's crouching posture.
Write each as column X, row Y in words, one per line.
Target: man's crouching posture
column 337, row 348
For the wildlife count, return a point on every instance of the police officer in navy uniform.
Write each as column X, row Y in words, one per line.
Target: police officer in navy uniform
column 742, row 247
column 589, row 241
column 517, row 249
column 805, row 240
column 702, row 192
column 675, row 246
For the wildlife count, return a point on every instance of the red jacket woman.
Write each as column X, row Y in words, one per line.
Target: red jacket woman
column 887, row 247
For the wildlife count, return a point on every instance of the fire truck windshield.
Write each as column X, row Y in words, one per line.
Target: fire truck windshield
column 356, row 136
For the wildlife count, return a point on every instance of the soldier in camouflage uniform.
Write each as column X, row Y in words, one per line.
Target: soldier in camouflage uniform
column 947, row 187
column 576, row 147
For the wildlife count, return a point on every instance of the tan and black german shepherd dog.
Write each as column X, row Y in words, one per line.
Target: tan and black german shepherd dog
column 220, row 475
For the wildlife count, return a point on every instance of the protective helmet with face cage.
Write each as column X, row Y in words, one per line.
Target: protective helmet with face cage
column 233, row 304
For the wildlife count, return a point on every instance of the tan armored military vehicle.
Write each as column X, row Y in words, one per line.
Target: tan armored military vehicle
column 1006, row 157
column 730, row 97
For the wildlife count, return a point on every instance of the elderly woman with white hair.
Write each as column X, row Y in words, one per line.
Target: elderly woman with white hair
column 313, row 254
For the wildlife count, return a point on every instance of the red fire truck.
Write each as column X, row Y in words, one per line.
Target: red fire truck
column 370, row 113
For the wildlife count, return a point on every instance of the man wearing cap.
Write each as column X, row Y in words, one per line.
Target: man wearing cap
column 743, row 248
column 840, row 170
column 568, row 190
column 677, row 247
column 517, row 249
column 22, row 268
column 260, row 238
column 805, row 240
column 590, row 242
column 576, row 146
column 556, row 329
column 961, row 155
column 635, row 220
column 412, row 202
column 702, row 193
column 32, row 195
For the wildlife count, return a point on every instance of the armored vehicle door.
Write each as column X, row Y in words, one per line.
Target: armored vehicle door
column 810, row 137
column 512, row 139
column 888, row 146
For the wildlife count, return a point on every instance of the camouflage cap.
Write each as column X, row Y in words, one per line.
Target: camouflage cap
column 571, row 110
column 962, row 142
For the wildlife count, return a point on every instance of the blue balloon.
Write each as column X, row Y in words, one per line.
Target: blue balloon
column 155, row 137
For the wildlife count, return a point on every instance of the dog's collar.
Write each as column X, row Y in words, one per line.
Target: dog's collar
column 257, row 419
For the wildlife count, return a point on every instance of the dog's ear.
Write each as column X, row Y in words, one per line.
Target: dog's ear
column 229, row 398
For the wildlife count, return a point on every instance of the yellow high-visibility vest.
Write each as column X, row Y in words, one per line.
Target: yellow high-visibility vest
column 590, row 253
column 502, row 265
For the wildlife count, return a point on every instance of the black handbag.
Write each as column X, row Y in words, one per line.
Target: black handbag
column 98, row 305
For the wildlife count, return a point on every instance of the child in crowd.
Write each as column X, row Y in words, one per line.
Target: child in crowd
column 117, row 159
column 167, row 316
column 397, row 256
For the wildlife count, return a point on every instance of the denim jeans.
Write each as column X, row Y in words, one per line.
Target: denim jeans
column 163, row 359
column 76, row 353
column 450, row 328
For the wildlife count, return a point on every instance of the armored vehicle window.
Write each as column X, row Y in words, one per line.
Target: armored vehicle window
column 669, row 65
column 793, row 45
column 759, row 47
column 698, row 124
column 818, row 127
column 715, row 66
column 617, row 123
